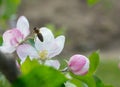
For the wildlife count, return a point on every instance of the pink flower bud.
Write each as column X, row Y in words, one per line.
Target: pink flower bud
column 78, row 64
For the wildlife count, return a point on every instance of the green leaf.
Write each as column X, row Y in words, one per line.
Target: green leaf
column 1, row 2
column 1, row 40
column 8, row 11
column 94, row 62
column 98, row 82
column 3, row 81
column 28, row 65
column 77, row 82
column 38, row 75
column 89, row 80
column 92, row 2
column 108, row 86
column 31, row 41
column 10, row 8
column 50, row 26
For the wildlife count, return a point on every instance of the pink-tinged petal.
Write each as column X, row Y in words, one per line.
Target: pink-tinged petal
column 23, row 26
column 84, row 70
column 7, row 49
column 78, row 64
column 25, row 50
column 56, row 46
column 53, row 63
column 12, row 37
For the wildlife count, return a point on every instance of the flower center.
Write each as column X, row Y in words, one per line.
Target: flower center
column 43, row 54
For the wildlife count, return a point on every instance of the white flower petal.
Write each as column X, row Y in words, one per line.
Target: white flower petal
column 7, row 49
column 26, row 50
column 60, row 40
column 69, row 84
column 39, row 45
column 56, row 47
column 53, row 63
column 47, row 34
column 47, row 39
column 23, row 26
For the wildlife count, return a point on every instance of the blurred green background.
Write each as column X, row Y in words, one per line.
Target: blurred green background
column 88, row 25
column 108, row 71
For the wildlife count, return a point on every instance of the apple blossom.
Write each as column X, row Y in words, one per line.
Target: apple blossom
column 78, row 64
column 51, row 46
column 14, row 37
column 43, row 50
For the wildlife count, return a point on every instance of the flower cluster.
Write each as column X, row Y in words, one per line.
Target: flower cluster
column 14, row 40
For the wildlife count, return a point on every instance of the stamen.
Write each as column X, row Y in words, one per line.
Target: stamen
column 43, row 54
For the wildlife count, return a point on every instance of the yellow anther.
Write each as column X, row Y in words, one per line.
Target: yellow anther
column 43, row 54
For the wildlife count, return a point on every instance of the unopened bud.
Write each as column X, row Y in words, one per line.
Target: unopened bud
column 78, row 64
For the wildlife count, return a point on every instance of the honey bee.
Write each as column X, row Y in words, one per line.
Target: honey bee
column 39, row 35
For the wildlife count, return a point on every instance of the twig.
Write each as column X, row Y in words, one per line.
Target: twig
column 8, row 67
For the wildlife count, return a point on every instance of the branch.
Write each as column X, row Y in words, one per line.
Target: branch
column 8, row 67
